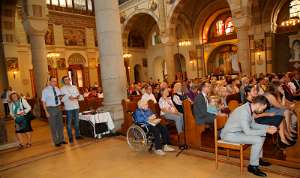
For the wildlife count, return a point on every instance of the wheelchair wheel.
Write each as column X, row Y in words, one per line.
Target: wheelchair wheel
column 137, row 138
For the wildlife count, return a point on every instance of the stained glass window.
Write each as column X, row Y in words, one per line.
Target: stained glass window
column 220, row 27
column 295, row 8
column 229, row 28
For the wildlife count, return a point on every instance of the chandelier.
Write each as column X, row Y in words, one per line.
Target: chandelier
column 53, row 55
column 184, row 43
column 127, row 55
column 290, row 22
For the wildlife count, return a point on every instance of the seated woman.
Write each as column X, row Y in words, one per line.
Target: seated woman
column 169, row 111
column 270, row 117
column 178, row 97
column 19, row 108
column 144, row 115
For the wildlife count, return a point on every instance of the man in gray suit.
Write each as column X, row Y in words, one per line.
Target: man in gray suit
column 241, row 128
column 200, row 106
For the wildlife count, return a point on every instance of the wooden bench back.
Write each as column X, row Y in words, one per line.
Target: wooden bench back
column 233, row 104
column 128, row 108
column 192, row 129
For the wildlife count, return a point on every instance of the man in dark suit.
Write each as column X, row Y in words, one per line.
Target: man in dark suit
column 296, row 81
column 200, row 106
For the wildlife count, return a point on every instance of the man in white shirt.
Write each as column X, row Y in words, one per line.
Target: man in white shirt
column 70, row 99
column 148, row 95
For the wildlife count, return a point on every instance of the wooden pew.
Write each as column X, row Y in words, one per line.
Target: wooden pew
column 128, row 108
column 193, row 131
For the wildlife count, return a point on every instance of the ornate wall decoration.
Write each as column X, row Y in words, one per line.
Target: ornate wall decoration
column 153, row 5
column 49, row 36
column 74, row 37
column 12, row 64
column 76, row 59
column 61, row 63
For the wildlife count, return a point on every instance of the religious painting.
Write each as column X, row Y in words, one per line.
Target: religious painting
column 145, row 62
column 51, row 63
column 49, row 36
column 295, row 51
column 259, row 45
column 61, row 63
column 12, row 64
column 224, row 60
column 74, row 36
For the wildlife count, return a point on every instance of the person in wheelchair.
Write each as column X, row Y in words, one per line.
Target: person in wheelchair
column 143, row 115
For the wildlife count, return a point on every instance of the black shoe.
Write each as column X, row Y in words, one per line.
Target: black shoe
column 57, row 144
column 256, row 171
column 79, row 138
column 71, row 140
column 63, row 142
column 264, row 163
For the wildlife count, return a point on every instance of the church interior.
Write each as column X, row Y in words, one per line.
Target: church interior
column 122, row 57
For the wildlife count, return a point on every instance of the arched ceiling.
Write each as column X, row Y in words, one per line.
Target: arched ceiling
column 141, row 23
column 192, row 8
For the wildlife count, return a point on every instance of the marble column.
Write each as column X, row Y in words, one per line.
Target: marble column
column 3, row 75
column 36, row 24
column 169, row 59
column 243, row 49
column 113, row 74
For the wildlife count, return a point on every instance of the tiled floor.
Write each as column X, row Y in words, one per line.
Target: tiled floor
column 109, row 158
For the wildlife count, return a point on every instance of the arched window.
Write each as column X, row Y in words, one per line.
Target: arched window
column 69, row 3
column 62, row 3
column 229, row 28
column 80, row 4
column 54, row 2
column 90, row 5
column 219, row 27
column 295, row 8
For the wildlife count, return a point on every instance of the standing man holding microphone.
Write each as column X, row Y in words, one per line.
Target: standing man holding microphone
column 70, row 99
column 51, row 97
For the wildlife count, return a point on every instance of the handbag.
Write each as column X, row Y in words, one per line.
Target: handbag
column 29, row 115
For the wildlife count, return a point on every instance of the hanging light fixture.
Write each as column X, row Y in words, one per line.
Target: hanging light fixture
column 127, row 55
column 290, row 22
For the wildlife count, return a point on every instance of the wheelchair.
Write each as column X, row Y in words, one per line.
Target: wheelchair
column 139, row 137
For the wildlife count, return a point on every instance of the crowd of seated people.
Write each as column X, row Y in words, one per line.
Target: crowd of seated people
column 272, row 97
column 92, row 92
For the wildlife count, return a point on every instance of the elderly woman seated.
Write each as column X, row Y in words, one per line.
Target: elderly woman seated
column 144, row 115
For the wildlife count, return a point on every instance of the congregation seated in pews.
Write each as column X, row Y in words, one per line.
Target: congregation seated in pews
column 204, row 100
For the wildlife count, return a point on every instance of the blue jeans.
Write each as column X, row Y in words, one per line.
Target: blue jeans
column 73, row 114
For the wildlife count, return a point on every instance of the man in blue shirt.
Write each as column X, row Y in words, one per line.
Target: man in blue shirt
column 51, row 97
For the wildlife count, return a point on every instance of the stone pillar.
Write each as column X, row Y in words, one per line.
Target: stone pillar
column 243, row 49
column 113, row 74
column 36, row 24
column 3, row 75
column 169, row 58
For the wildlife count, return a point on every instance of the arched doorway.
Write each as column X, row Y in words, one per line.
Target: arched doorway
column 159, row 68
column 180, row 67
column 224, row 60
column 76, row 70
column 138, row 73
